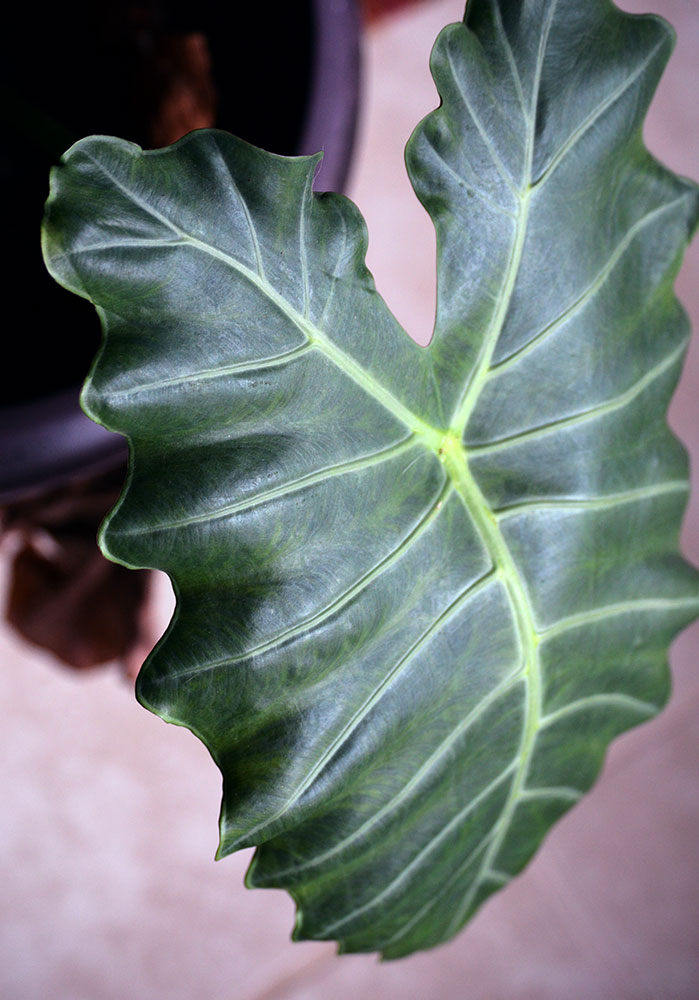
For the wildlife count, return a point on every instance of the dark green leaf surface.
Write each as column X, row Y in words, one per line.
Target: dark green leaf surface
column 418, row 590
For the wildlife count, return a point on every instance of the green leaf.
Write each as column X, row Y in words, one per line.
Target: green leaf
column 418, row 590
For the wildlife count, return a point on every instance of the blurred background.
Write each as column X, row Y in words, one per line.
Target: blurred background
column 108, row 816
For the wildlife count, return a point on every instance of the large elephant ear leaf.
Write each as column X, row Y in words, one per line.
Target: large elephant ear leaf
column 418, row 590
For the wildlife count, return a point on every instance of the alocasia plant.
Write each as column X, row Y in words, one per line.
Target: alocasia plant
column 419, row 590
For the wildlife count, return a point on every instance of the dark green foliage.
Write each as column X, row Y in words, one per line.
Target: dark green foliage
column 419, row 590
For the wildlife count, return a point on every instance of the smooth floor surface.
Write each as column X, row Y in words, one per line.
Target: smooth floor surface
column 108, row 816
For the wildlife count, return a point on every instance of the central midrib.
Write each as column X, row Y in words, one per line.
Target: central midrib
column 456, row 464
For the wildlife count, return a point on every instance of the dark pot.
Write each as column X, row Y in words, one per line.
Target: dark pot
column 285, row 78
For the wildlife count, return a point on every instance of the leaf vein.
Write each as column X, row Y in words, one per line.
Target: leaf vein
column 419, row 859
column 596, row 615
column 432, row 761
column 426, row 519
column 246, row 211
column 454, row 608
column 312, row 479
column 578, row 304
column 241, row 368
column 451, row 878
column 133, row 197
column 470, row 185
column 609, row 501
column 517, row 80
column 303, row 256
column 584, row 416
column 594, row 115
column 617, row 698
column 551, row 792
column 494, row 156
